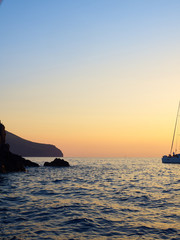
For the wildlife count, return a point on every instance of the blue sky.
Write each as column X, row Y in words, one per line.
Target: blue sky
column 59, row 32
column 86, row 61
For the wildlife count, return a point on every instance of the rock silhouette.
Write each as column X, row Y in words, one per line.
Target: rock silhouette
column 57, row 163
column 2, row 134
column 27, row 148
column 10, row 162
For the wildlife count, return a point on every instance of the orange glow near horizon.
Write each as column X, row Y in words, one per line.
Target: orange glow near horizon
column 88, row 79
column 103, row 137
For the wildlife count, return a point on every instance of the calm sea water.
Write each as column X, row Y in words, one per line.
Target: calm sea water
column 93, row 199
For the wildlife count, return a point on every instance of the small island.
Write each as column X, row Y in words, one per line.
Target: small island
column 57, row 163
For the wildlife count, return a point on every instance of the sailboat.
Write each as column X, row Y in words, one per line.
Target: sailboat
column 175, row 157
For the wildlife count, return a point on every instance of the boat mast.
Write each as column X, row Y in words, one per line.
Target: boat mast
column 175, row 128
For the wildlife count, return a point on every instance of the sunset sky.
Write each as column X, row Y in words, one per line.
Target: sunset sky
column 96, row 78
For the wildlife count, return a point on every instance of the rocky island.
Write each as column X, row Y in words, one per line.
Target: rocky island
column 57, row 163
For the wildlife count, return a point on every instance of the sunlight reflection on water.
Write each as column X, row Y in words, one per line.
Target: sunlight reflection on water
column 94, row 198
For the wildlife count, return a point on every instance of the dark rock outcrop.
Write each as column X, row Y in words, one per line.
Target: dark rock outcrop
column 2, row 134
column 27, row 148
column 57, row 163
column 10, row 162
column 28, row 163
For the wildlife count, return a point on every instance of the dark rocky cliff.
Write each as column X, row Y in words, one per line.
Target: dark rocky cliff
column 27, row 148
column 2, row 134
column 10, row 162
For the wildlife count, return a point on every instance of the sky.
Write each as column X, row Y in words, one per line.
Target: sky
column 96, row 78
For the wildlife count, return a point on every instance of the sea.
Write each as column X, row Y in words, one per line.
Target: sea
column 94, row 198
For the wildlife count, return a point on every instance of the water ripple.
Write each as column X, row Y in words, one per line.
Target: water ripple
column 93, row 199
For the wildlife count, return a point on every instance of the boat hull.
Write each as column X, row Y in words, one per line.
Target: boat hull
column 171, row 159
